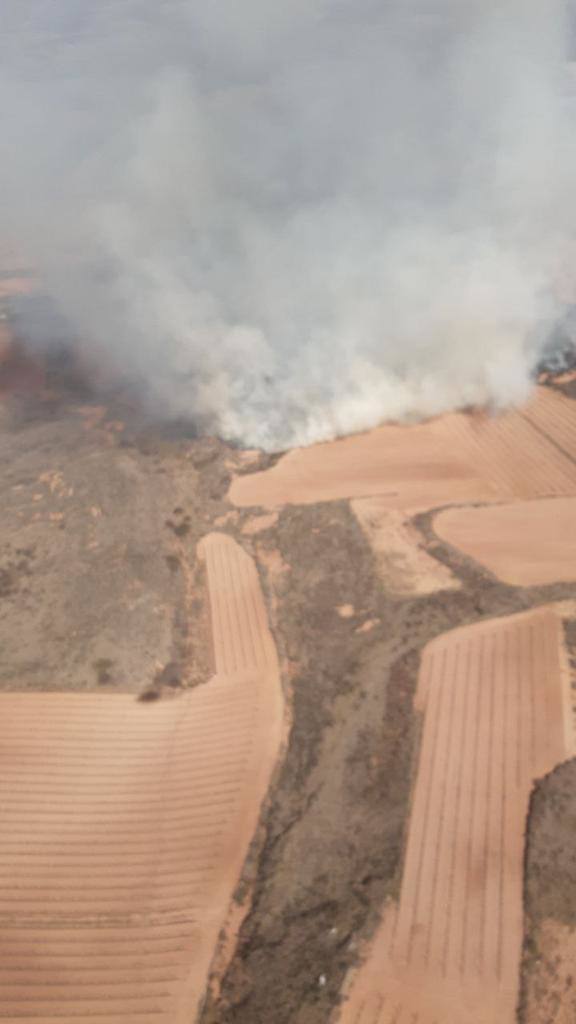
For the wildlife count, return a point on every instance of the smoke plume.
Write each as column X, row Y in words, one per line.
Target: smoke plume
column 288, row 221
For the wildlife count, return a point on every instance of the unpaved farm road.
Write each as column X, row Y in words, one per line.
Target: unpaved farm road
column 323, row 685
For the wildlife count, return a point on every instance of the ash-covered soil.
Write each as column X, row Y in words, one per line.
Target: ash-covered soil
column 100, row 588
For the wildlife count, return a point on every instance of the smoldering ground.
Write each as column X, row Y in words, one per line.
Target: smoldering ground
column 290, row 221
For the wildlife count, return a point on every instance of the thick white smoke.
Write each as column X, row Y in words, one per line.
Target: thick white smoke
column 293, row 220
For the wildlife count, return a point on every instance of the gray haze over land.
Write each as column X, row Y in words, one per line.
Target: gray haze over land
column 293, row 220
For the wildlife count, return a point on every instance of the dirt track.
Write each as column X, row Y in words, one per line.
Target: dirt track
column 114, row 601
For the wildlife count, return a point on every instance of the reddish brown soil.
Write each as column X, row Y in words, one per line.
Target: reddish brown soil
column 494, row 719
column 405, row 565
column 125, row 825
column 456, row 459
column 525, row 544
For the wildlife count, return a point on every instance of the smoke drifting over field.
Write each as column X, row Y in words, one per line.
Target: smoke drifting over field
column 289, row 221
